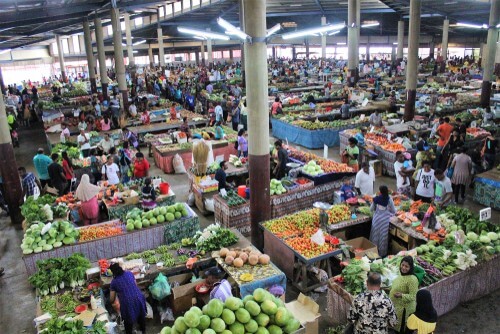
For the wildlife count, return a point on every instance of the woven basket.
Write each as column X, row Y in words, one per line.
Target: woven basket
column 131, row 200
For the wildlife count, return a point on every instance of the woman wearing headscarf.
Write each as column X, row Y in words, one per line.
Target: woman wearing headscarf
column 403, row 292
column 87, row 194
column 423, row 321
column 132, row 301
column 383, row 209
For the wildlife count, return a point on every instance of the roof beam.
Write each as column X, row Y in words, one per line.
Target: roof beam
column 318, row 2
column 330, row 12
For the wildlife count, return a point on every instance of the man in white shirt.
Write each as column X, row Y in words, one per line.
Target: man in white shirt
column 443, row 192
column 219, row 113
column 106, row 143
column 65, row 134
column 111, row 172
column 365, row 179
column 132, row 109
column 83, row 140
column 425, row 183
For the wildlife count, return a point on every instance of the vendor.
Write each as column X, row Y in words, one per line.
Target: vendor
column 141, row 166
column 376, row 119
column 221, row 288
column 443, row 191
column 87, row 194
column 219, row 131
column 344, row 109
column 280, row 169
column 83, row 140
column 65, row 134
column 148, row 195
column 220, row 176
column 106, row 144
column 131, row 138
column 185, row 127
column 351, row 152
column 132, row 301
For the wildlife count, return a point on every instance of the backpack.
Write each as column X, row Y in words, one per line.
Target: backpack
column 124, row 160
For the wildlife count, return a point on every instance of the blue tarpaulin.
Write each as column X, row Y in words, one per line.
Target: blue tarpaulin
column 308, row 138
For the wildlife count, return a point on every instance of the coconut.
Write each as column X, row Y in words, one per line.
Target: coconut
column 244, row 257
column 223, row 252
column 253, row 259
column 229, row 260
column 238, row 262
column 264, row 259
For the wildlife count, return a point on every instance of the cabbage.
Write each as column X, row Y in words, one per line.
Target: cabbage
column 493, row 236
column 484, row 239
column 472, row 236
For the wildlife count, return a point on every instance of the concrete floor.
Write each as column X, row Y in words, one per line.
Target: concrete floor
column 17, row 302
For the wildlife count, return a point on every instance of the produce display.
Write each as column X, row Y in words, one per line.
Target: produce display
column 297, row 229
column 62, row 325
column 328, row 166
column 37, row 210
column 59, row 304
column 235, row 161
column 44, row 237
column 138, row 218
column 317, row 124
column 239, row 257
column 258, row 313
column 56, row 273
column 71, row 148
column 214, row 237
column 276, row 187
column 99, row 231
column 312, row 168
column 474, row 133
column 233, row 199
column 48, row 105
column 169, row 255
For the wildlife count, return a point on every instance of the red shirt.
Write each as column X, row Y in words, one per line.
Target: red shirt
column 444, row 131
column 140, row 168
column 68, row 171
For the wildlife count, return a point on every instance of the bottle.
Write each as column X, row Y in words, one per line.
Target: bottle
column 93, row 302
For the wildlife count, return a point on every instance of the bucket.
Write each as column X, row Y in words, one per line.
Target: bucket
column 242, row 191
column 164, row 188
column 247, row 193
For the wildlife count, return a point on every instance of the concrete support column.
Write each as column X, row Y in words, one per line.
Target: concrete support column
column 323, row 39
column 8, row 169
column 209, row 51
column 197, row 57
column 161, row 47
column 202, row 49
column 258, row 117
column 488, row 61
column 242, row 45
column 368, row 50
column 353, row 42
column 412, row 67
column 294, row 53
column 431, row 49
column 497, row 60
column 358, row 27
column 401, row 40
column 119, row 62
column 71, row 47
column 60, row 53
column 90, row 56
column 444, row 44
column 103, row 73
column 274, row 52
column 151, row 57
column 307, row 47
column 128, row 36
column 2, row 83
column 231, row 56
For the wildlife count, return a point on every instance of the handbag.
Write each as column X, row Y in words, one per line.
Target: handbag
column 449, row 172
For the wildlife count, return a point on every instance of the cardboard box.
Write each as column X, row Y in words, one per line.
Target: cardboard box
column 361, row 243
column 181, row 297
column 306, row 311
column 396, row 247
column 377, row 167
column 402, row 235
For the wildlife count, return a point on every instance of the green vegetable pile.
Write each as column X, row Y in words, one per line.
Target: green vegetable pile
column 233, row 199
column 63, row 326
column 34, row 211
column 59, row 304
column 71, row 148
column 55, row 273
column 214, row 237
column 44, row 237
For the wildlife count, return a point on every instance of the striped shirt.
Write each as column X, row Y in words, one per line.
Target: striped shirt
column 221, row 290
column 29, row 183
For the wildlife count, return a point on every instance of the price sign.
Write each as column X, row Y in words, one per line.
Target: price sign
column 485, row 214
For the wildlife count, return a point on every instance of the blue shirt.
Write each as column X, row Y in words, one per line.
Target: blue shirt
column 41, row 163
column 360, row 138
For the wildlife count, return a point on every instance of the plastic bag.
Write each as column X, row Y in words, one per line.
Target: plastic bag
column 190, row 200
column 110, row 327
column 149, row 309
column 160, row 288
column 178, row 165
column 209, row 205
column 318, row 237
column 165, row 314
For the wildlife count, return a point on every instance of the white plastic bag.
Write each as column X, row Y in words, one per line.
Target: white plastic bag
column 149, row 314
column 318, row 237
column 165, row 314
column 190, row 200
column 178, row 165
column 209, row 204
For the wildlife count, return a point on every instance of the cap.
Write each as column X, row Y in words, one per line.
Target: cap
column 214, row 271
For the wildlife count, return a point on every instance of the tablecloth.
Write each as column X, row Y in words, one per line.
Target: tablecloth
column 308, row 138
column 487, row 188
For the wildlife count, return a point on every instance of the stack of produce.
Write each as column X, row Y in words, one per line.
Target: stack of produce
column 56, row 273
column 137, row 218
column 168, row 255
column 214, row 237
column 233, row 199
column 68, row 325
column 276, row 187
column 328, row 166
column 104, row 230
column 71, row 148
column 44, row 237
column 296, row 229
column 261, row 313
column 475, row 133
column 234, row 160
column 312, row 168
column 238, row 257
column 37, row 210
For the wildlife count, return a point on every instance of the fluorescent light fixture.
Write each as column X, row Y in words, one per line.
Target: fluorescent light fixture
column 395, row 43
column 5, row 51
column 200, row 38
column 135, row 51
column 341, row 43
column 498, row 25
column 273, row 30
column 368, row 25
column 139, row 43
column 333, row 33
column 123, row 44
column 229, row 27
column 307, row 32
column 202, row 33
column 296, row 5
column 469, row 25
column 451, row 2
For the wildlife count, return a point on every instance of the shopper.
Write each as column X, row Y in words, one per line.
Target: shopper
column 403, row 292
column 443, row 191
column 57, row 176
column 185, row 127
column 351, row 154
column 65, row 134
column 132, row 301
column 365, row 179
column 87, row 194
column 106, row 144
column 423, row 321
column 402, row 174
column 219, row 113
column 95, row 166
column 425, row 183
column 235, row 115
column 29, row 182
column 68, row 170
column 148, row 195
column 452, row 147
column 282, row 154
column 360, row 137
column 489, row 150
column 105, row 123
column 344, row 109
column 83, row 140
column 462, row 169
column 242, row 144
column 124, row 162
column 443, row 133
column 41, row 163
column 383, row 209
column 110, row 172
column 141, row 166
column 219, row 131
column 131, row 138
column 372, row 311
column 276, row 107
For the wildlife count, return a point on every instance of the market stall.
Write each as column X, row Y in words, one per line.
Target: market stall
column 487, row 188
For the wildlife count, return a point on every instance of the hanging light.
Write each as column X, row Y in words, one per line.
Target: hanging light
column 273, row 30
column 202, row 33
column 231, row 29
column 317, row 30
column 139, row 43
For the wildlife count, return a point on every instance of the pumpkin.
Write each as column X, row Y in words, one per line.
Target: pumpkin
column 264, row 259
column 244, row 257
column 253, row 259
column 223, row 252
column 238, row 262
column 229, row 260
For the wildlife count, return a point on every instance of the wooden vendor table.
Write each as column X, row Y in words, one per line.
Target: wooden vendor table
column 487, row 188
column 447, row 293
column 164, row 160
column 119, row 211
column 301, row 198
column 123, row 244
column 406, row 234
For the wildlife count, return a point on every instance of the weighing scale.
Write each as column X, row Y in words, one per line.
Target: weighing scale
column 323, row 216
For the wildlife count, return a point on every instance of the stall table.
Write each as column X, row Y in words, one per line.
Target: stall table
column 487, row 188
column 447, row 293
column 134, row 241
column 119, row 211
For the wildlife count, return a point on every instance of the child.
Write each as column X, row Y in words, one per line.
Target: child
column 148, row 195
column 347, row 191
column 407, row 167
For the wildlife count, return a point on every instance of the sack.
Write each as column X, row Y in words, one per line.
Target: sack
column 279, row 110
column 160, row 288
column 344, row 158
column 178, row 165
column 209, row 204
column 449, row 172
